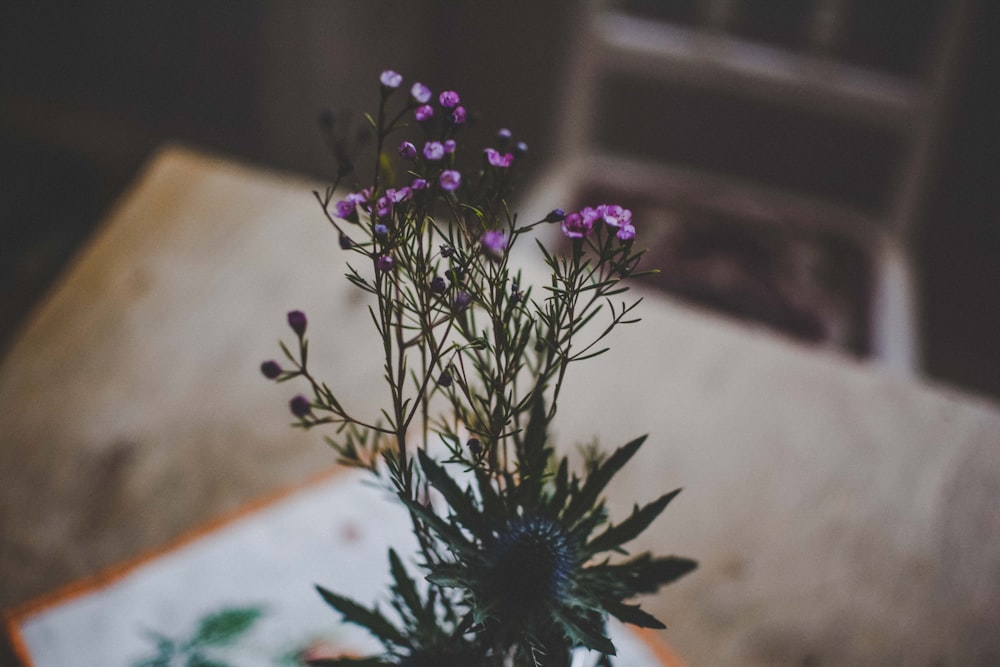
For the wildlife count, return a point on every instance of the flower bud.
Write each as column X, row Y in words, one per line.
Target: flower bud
column 297, row 321
column 475, row 446
column 407, row 151
column 555, row 215
column 445, row 379
column 270, row 369
column 300, row 406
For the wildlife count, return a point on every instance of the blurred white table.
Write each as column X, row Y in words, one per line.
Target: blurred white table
column 840, row 516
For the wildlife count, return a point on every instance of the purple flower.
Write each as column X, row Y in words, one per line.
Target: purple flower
column 459, row 115
column 420, row 93
column 448, row 99
column 592, row 215
column 520, row 149
column 396, row 196
column 425, row 112
column 359, row 197
column 270, row 369
column 450, row 180
column 297, row 321
column 438, row 285
column 418, row 184
column 577, row 226
column 433, row 150
column 449, row 146
column 300, row 406
column 494, row 157
column 384, row 263
column 615, row 215
column 407, row 151
column 347, row 210
column 383, row 207
column 380, row 230
column 626, row 232
column 494, row 242
column 391, row 79
column 503, row 136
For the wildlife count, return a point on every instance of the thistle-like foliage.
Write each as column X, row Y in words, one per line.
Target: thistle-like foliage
column 522, row 564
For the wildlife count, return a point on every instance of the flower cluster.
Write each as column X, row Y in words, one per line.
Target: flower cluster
column 475, row 360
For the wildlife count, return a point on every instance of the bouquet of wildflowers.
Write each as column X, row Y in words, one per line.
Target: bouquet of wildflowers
column 518, row 561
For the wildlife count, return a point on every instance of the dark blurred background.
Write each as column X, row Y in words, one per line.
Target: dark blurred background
column 89, row 90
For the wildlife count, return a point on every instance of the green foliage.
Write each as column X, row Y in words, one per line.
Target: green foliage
column 215, row 631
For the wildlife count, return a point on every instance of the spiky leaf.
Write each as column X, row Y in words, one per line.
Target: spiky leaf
column 599, row 478
column 225, row 626
column 372, row 620
column 630, row 528
column 460, row 501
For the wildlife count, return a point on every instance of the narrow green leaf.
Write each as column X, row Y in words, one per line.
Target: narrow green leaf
column 599, row 478
column 370, row 619
column 460, row 501
column 404, row 586
column 633, row 614
column 225, row 626
column 631, row 527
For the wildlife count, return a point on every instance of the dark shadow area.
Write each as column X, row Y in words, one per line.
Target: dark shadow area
column 88, row 91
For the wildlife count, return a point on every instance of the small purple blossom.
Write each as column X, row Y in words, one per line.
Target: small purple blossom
column 494, row 242
column 503, row 136
column 592, row 216
column 448, row 99
column 347, row 210
column 300, row 406
column 459, row 115
column 360, row 197
column 425, row 112
column 615, row 215
column 496, row 159
column 384, row 263
column 449, row 146
column 391, row 79
column 433, row 150
column 420, row 93
column 270, row 369
column 450, row 180
column 399, row 195
column 520, row 149
column 297, row 321
column 380, row 230
column 418, row 184
column 407, row 151
column 626, row 232
column 577, row 226
column 383, row 207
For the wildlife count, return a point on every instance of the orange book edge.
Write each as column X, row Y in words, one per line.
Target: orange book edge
column 13, row 617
